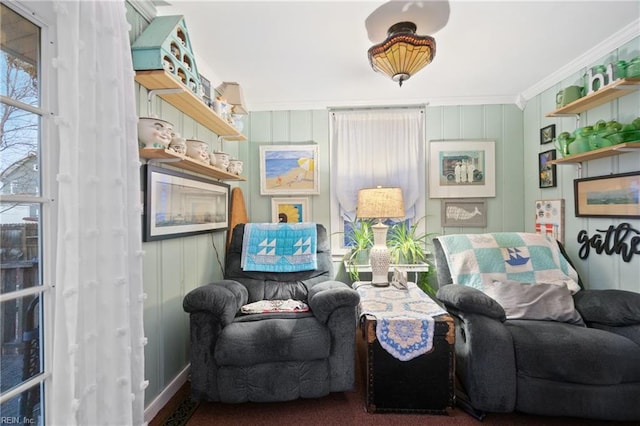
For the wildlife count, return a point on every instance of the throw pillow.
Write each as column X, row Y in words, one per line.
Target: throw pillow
column 534, row 301
column 269, row 306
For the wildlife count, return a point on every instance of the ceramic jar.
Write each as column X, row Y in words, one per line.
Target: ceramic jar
column 581, row 143
column 222, row 160
column 562, row 143
column 154, row 133
column 198, row 150
column 633, row 68
column 237, row 121
column 178, row 144
column 235, row 167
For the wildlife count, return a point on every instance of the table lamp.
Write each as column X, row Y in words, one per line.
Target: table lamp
column 380, row 203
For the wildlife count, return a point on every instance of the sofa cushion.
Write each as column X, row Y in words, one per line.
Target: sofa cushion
column 610, row 307
column 563, row 352
column 534, row 301
column 272, row 340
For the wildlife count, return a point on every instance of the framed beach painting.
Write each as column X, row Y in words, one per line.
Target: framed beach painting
column 289, row 210
column 462, row 169
column 289, row 169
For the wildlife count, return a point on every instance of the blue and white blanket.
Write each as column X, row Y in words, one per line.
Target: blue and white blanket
column 475, row 259
column 404, row 319
column 279, row 247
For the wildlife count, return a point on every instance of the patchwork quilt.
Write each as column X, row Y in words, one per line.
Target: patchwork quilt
column 476, row 259
column 279, row 247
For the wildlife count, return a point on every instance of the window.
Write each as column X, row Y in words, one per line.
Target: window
column 24, row 216
column 374, row 147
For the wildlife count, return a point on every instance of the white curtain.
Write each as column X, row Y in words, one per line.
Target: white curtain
column 377, row 147
column 98, row 349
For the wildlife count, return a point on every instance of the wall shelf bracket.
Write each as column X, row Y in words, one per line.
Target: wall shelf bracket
column 579, row 170
column 152, row 93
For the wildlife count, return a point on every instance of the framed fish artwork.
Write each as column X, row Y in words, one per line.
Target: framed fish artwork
column 464, row 213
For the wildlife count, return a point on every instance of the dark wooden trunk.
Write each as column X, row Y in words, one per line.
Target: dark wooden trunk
column 424, row 384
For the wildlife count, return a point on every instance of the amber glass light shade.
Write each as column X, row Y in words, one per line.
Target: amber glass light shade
column 403, row 53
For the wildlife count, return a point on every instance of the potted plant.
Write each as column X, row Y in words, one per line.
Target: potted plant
column 360, row 240
column 408, row 246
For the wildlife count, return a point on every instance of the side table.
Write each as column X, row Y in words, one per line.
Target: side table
column 424, row 384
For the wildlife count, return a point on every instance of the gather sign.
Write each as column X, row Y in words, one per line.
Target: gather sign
column 622, row 239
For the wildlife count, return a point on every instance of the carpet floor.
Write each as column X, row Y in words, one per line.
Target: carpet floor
column 339, row 409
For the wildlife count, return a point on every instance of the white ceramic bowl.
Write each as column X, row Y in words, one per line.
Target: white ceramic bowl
column 154, row 133
column 178, row 145
column 235, row 167
column 198, row 150
column 222, row 160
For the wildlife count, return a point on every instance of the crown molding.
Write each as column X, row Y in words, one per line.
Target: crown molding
column 608, row 45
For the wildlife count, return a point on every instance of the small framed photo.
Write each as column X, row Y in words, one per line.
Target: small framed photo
column 547, row 134
column 608, row 196
column 547, row 171
column 463, row 212
column 289, row 210
column 289, row 169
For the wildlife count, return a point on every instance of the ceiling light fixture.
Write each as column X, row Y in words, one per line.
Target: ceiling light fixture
column 403, row 53
column 393, row 28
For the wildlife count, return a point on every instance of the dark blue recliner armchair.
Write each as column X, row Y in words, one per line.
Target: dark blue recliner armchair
column 272, row 356
column 545, row 367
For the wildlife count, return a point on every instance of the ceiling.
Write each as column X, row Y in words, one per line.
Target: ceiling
column 313, row 54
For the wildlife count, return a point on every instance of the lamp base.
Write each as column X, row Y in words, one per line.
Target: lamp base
column 379, row 256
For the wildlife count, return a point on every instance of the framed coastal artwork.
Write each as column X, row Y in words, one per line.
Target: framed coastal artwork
column 549, row 218
column 608, row 196
column 289, row 210
column 289, row 170
column 180, row 205
column 462, row 169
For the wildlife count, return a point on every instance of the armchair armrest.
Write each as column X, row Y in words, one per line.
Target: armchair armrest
column 327, row 296
column 470, row 300
column 222, row 299
column 609, row 307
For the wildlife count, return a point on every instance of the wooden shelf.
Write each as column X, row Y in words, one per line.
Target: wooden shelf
column 608, row 93
column 599, row 153
column 188, row 103
column 187, row 163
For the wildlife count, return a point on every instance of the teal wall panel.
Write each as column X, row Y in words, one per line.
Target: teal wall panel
column 599, row 271
column 171, row 268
